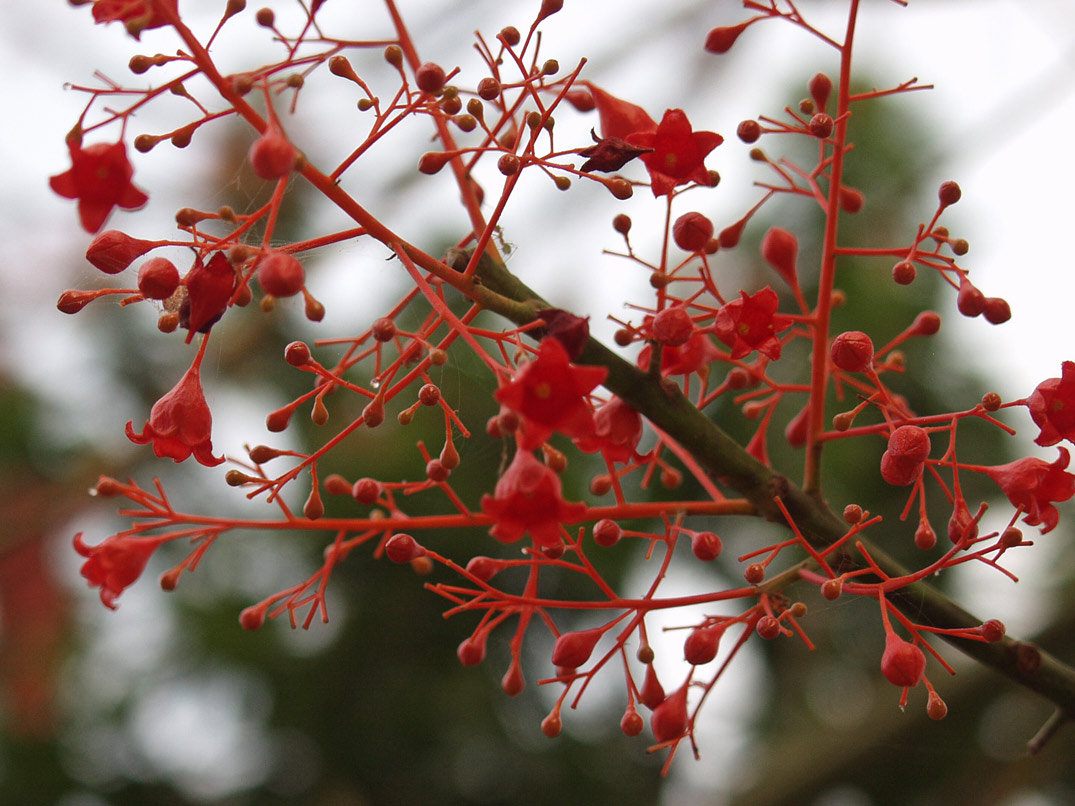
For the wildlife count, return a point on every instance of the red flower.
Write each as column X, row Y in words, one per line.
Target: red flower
column 550, row 393
column 137, row 15
column 751, row 323
column 1033, row 484
column 209, row 289
column 100, row 178
column 678, row 155
column 690, row 357
column 527, row 499
column 1052, row 406
column 180, row 423
column 116, row 563
column 617, row 430
column 620, row 119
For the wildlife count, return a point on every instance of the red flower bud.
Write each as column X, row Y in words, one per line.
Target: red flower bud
column 706, row 546
column 721, row 39
column 669, row 719
column 949, row 193
column 272, row 155
column 112, row 251
column 158, row 278
column 692, row 232
column 702, row 644
column 402, row 548
column 430, row 77
column 573, row 649
column 852, row 351
column 673, row 327
column 970, row 301
column 820, row 87
column 281, row 275
column 607, row 532
column 902, row 663
column 780, row 249
column 651, row 694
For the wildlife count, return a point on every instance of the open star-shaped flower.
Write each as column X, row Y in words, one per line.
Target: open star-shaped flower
column 100, row 178
column 549, row 393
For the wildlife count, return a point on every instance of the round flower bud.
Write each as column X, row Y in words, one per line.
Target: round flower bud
column 996, row 311
column 281, row 275
column 852, row 351
column 158, row 278
column 673, row 326
column 749, row 131
column 607, row 532
column 706, row 546
column 902, row 663
column 488, row 89
column 272, row 155
column 904, row 272
column 692, row 232
column 949, row 193
column 821, row 125
column 430, row 77
column 297, row 354
column 402, row 548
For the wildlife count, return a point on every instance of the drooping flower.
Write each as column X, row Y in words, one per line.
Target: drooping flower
column 528, row 498
column 136, row 15
column 679, row 152
column 209, row 289
column 180, row 423
column 550, row 394
column 617, row 430
column 115, row 563
column 752, row 323
column 1033, row 485
column 1052, row 407
column 100, row 178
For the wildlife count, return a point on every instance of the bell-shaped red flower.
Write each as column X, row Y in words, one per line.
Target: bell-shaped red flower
column 1052, row 406
column 116, row 563
column 550, row 394
column 209, row 289
column 100, row 178
column 617, row 430
column 528, row 499
column 679, row 152
column 1033, row 485
column 752, row 323
column 180, row 423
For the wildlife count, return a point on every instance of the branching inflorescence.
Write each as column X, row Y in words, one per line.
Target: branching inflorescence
column 559, row 391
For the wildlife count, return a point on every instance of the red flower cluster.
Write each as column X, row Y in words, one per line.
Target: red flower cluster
column 550, row 394
column 100, row 178
column 1052, row 406
column 180, row 423
column 1033, row 484
column 528, row 499
column 752, row 323
column 116, row 563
